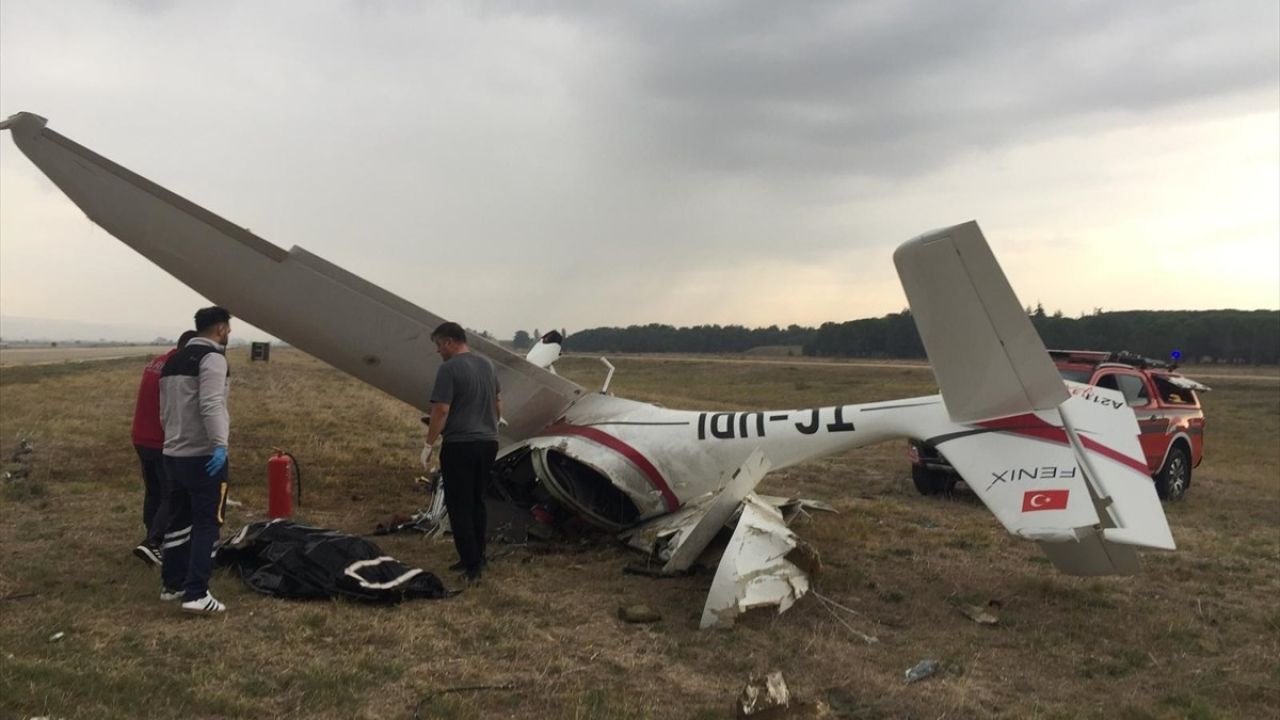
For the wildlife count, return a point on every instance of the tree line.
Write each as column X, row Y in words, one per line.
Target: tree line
column 696, row 339
column 1235, row 336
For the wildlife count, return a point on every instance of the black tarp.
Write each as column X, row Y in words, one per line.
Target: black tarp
column 289, row 560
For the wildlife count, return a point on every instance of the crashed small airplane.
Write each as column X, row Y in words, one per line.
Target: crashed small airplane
column 668, row 480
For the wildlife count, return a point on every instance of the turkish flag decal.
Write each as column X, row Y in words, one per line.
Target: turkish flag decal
column 1045, row 500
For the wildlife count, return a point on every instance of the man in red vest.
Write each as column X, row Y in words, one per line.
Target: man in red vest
column 148, row 440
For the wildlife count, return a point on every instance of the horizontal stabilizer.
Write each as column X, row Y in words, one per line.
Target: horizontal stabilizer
column 987, row 357
column 1072, row 479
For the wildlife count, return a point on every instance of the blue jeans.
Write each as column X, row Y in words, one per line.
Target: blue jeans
column 196, row 504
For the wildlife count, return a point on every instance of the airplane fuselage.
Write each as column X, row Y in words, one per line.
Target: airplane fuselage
column 658, row 458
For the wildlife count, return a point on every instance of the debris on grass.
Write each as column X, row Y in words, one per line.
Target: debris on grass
column 638, row 613
column 764, row 697
column 25, row 448
column 832, row 606
column 922, row 670
column 57, row 636
column 977, row 614
column 19, row 465
column 756, row 569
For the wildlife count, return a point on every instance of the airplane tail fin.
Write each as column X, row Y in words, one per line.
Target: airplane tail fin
column 1060, row 467
column 988, row 358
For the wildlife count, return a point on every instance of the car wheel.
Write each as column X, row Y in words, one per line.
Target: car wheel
column 931, row 482
column 922, row 477
column 1175, row 477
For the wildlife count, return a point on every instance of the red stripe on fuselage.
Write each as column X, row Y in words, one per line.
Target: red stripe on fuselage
column 1032, row 426
column 631, row 454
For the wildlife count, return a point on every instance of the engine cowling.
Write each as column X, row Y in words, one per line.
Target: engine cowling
column 595, row 481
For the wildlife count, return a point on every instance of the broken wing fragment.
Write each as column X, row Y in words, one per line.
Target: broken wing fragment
column 756, row 569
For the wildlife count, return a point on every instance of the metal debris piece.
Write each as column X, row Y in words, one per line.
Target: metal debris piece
column 794, row 507
column 922, row 670
column 977, row 614
column 19, row 465
column 831, row 606
column 661, row 536
column 755, row 570
column 657, row 537
column 718, row 512
column 789, row 503
column 766, row 697
column 57, row 636
column 638, row 613
column 25, row 447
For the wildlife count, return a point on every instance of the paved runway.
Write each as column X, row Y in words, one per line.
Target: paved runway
column 75, row 353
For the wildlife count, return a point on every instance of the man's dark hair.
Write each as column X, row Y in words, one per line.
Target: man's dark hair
column 449, row 331
column 186, row 337
column 210, row 316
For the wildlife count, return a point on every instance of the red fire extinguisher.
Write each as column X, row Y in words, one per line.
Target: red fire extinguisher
column 282, row 471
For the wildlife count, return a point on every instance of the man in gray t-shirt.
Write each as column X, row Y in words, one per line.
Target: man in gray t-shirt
column 466, row 404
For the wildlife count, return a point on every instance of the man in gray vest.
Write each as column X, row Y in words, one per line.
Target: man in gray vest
column 193, row 410
column 465, row 407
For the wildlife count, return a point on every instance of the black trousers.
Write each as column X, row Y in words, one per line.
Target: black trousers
column 196, row 504
column 465, row 467
column 155, row 498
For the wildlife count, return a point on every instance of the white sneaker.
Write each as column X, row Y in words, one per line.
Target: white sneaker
column 206, row 605
column 166, row 594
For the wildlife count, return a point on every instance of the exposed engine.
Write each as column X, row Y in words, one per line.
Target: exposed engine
column 547, row 477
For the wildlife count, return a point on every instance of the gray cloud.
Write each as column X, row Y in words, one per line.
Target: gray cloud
column 584, row 163
column 893, row 88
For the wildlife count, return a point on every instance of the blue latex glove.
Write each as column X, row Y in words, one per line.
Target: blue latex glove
column 217, row 462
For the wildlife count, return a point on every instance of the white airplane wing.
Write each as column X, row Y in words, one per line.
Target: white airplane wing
column 300, row 298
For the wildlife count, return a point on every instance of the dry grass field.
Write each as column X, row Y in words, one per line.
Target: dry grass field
column 1196, row 635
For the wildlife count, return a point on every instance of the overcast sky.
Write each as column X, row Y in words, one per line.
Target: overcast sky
column 586, row 164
